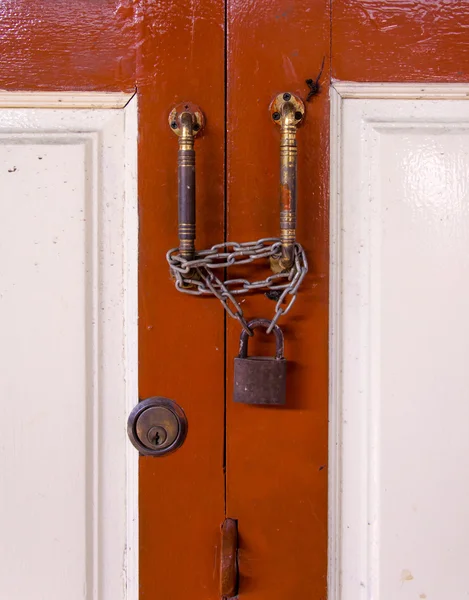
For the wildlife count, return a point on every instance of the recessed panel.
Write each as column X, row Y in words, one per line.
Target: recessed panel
column 66, row 231
column 400, row 347
column 45, row 381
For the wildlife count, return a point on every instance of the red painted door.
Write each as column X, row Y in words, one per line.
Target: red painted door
column 277, row 458
column 265, row 467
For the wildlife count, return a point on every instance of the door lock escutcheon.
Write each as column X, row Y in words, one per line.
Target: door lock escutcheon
column 157, row 426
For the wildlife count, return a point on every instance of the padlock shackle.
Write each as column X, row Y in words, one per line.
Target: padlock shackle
column 254, row 324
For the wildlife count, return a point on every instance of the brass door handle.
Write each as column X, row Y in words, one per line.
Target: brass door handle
column 287, row 110
column 205, row 272
column 186, row 120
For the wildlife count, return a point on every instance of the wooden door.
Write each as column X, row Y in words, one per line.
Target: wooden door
column 265, row 467
column 276, row 472
column 399, row 247
column 400, row 413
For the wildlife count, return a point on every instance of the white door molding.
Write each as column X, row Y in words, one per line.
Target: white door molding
column 68, row 346
column 402, row 91
column 36, row 100
column 398, row 454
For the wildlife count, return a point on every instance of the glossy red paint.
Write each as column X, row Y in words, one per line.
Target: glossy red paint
column 276, row 475
column 67, row 44
column 181, row 338
column 400, row 40
column 276, row 483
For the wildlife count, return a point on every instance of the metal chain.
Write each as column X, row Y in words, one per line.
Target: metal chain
column 197, row 277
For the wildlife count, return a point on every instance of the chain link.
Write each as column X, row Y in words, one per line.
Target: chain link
column 197, row 277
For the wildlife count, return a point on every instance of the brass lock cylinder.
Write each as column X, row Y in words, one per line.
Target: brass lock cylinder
column 157, row 426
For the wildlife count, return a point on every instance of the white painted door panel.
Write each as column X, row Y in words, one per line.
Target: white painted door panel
column 67, row 352
column 400, row 347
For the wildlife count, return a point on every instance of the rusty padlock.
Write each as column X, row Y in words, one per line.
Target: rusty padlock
column 260, row 379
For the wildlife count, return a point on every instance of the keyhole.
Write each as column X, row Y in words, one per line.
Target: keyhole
column 157, row 436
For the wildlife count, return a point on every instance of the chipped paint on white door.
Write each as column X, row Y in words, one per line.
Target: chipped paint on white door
column 68, row 256
column 399, row 484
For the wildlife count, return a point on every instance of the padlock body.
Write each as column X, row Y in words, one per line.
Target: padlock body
column 260, row 380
